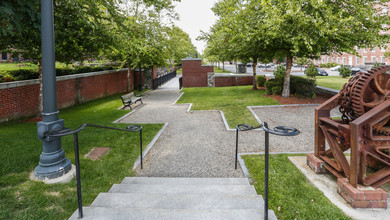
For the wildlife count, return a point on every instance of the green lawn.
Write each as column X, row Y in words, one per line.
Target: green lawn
column 291, row 195
column 21, row 198
column 233, row 101
column 17, row 66
column 24, row 65
column 333, row 82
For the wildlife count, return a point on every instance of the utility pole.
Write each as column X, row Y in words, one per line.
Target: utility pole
column 53, row 164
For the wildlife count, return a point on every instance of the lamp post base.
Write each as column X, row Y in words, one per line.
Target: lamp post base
column 65, row 177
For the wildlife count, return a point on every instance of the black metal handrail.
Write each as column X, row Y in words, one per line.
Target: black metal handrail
column 160, row 80
column 67, row 131
column 281, row 131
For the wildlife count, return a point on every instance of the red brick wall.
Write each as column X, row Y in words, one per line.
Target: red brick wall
column 22, row 101
column 220, row 81
column 194, row 74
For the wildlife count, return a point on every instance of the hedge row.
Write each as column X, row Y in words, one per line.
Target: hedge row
column 25, row 74
column 301, row 87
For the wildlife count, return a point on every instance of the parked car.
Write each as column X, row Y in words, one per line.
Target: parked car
column 249, row 64
column 322, row 72
column 263, row 65
column 335, row 68
column 355, row 70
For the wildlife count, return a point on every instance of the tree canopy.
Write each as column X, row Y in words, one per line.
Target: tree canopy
column 266, row 29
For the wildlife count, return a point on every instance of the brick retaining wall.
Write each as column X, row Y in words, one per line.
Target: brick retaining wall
column 233, row 80
column 20, row 99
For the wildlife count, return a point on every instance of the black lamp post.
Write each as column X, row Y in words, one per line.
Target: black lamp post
column 53, row 162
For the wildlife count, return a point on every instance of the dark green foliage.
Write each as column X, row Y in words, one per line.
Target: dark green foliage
column 311, row 70
column 5, row 77
column 25, row 74
column 301, row 87
column 277, row 90
column 345, row 72
column 376, row 65
column 280, row 71
column 260, row 80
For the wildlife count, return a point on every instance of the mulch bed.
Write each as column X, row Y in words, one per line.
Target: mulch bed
column 295, row 100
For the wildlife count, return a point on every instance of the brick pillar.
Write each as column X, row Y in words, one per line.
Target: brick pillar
column 194, row 74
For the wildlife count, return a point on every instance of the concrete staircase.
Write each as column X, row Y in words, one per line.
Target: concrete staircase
column 178, row 198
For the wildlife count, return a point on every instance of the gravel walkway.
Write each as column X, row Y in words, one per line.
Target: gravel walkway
column 196, row 144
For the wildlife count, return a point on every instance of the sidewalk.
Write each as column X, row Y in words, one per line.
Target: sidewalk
column 197, row 144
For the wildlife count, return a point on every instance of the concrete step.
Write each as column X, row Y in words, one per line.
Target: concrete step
column 185, row 181
column 178, row 201
column 100, row 213
column 184, row 189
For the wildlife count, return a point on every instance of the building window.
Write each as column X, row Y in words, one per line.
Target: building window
column 364, row 60
column 338, row 60
column 332, row 60
column 365, row 50
column 343, row 60
column 4, row 56
column 373, row 49
column 373, row 59
column 357, row 61
column 383, row 60
column 383, row 48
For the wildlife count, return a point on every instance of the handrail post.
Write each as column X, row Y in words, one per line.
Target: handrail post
column 236, row 148
column 266, row 174
column 140, row 140
column 78, row 179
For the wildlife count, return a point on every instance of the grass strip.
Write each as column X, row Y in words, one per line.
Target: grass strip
column 233, row 101
column 21, row 198
column 333, row 82
column 291, row 195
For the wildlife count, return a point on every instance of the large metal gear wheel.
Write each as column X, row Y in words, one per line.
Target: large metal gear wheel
column 365, row 91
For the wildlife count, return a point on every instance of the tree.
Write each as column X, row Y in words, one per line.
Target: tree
column 311, row 71
column 301, row 28
column 179, row 44
column 81, row 29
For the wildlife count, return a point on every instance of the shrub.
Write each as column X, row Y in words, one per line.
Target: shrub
column 24, row 74
column 5, row 77
column 311, row 71
column 303, row 87
column 260, row 80
column 279, row 71
column 270, row 84
column 344, row 72
column 376, row 65
column 277, row 90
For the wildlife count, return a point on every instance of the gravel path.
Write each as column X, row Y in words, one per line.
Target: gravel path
column 196, row 144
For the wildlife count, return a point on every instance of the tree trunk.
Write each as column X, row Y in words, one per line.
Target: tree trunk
column 286, row 85
column 254, row 73
column 223, row 66
column 128, row 79
column 40, row 98
column 236, row 67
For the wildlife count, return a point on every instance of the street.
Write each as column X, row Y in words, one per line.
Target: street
column 297, row 71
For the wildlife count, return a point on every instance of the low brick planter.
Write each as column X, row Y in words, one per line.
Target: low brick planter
column 361, row 197
column 316, row 164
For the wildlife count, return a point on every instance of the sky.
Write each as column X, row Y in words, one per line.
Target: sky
column 195, row 15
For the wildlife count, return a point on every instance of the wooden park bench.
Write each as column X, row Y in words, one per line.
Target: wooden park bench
column 129, row 99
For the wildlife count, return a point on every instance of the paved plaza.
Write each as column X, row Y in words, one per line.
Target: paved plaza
column 197, row 143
